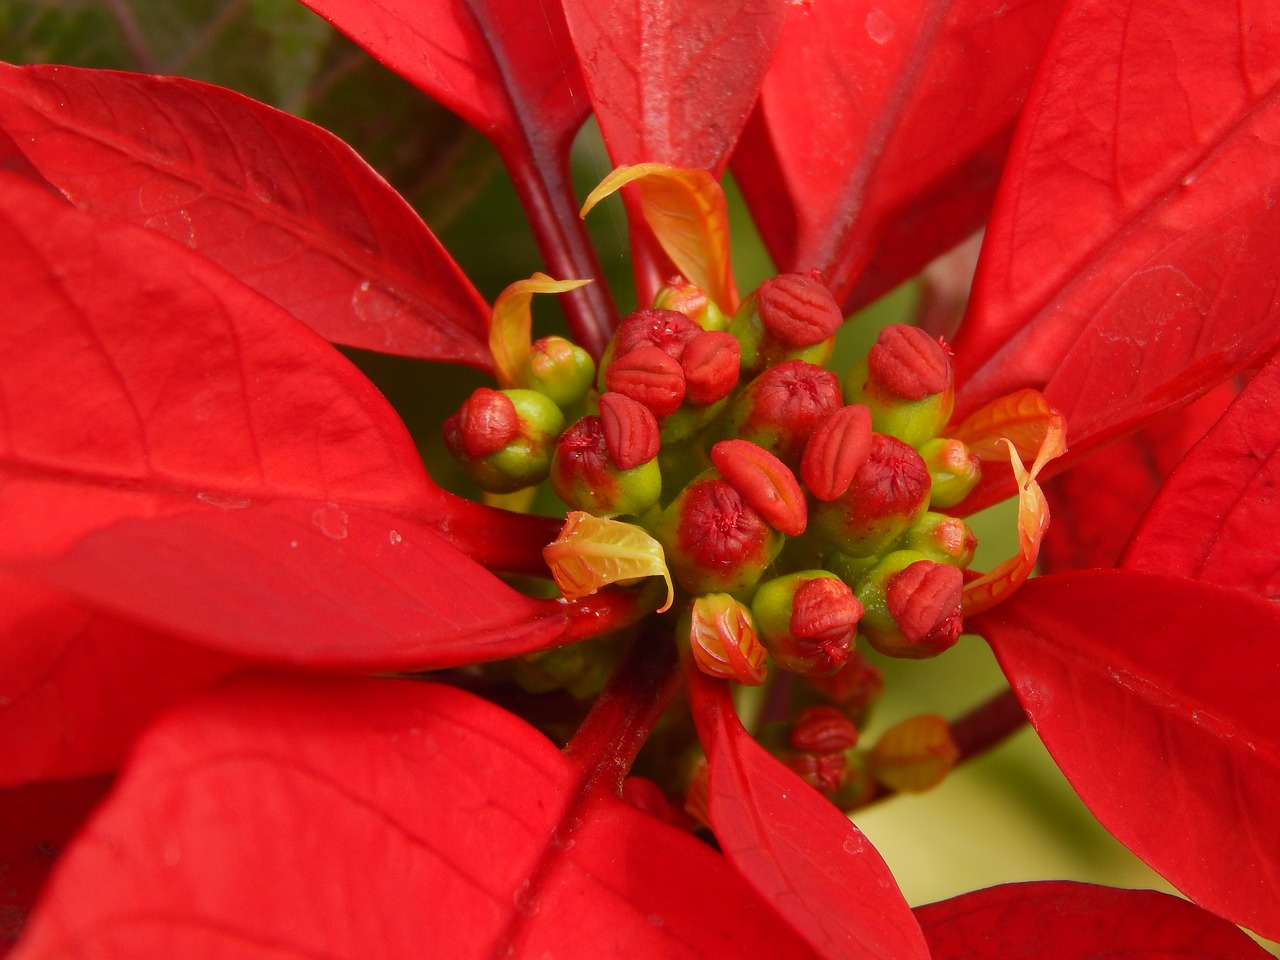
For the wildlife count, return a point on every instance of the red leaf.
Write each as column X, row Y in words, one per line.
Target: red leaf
column 672, row 81
column 1215, row 520
column 1098, row 502
column 281, row 204
column 1156, row 697
column 381, row 818
column 77, row 686
column 794, row 846
column 307, row 583
column 35, row 821
column 1058, row 920
column 880, row 132
column 1129, row 264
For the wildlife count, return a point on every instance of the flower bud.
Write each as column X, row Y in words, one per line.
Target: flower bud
column 780, row 409
column 710, row 363
column 585, row 475
column 825, row 772
column 561, row 370
column 942, row 539
column 765, row 482
column 807, row 620
column 854, row 688
column 953, row 471
column 649, row 376
column 713, row 539
column 836, row 450
column 504, row 438
column 630, row 430
column 723, row 639
column 914, row 755
column 889, row 493
column 788, row 317
column 907, row 382
column 823, row 730
column 683, row 297
column 912, row 606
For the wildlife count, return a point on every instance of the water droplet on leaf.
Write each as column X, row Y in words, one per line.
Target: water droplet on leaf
column 879, row 27
column 331, row 521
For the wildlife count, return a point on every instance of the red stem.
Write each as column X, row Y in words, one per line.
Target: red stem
column 606, row 745
column 546, row 191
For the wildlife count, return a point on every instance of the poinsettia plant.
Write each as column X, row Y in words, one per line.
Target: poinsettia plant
column 266, row 689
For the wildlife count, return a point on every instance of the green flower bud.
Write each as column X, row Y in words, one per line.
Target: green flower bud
column 912, row 606
column 683, row 297
column 585, row 474
column 789, row 317
column 942, row 539
column 907, row 383
column 953, row 470
column 807, row 621
column 561, row 370
column 504, row 439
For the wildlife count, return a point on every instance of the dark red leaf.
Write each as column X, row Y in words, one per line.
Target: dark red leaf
column 1215, row 519
column 381, row 818
column 1130, row 260
column 281, row 204
column 672, row 81
column 1058, row 920
column 794, row 846
column 1156, row 697
column 35, row 821
column 881, row 130
column 1097, row 503
column 76, row 686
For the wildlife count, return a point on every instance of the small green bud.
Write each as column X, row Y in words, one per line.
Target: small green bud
column 942, row 539
column 504, row 439
column 561, row 370
column 683, row 297
column 953, row 470
column 807, row 620
column 912, row 606
column 907, row 383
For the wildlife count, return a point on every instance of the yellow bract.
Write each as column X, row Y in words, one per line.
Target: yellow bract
column 511, row 326
column 591, row 552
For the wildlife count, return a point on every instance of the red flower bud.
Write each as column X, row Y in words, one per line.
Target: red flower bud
column 667, row 330
column 823, row 730
column 797, row 310
column 780, row 409
column 765, row 482
column 485, row 423
column 630, row 430
column 908, row 364
column 711, row 365
column 713, row 539
column 854, row 688
column 585, row 476
column 825, row 612
column 889, row 493
column 836, row 451
column 825, row 772
column 807, row 620
column 650, row 376
column 924, row 601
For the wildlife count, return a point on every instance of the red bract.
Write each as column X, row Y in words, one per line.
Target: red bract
column 194, row 484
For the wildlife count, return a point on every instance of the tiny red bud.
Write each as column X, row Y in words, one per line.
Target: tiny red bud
column 889, row 493
column 630, row 430
column 586, row 477
column 825, row 772
column 823, row 730
column 807, row 620
column 825, row 612
column 484, row 424
column 714, row 540
column 711, row 366
column 780, row 409
column 908, row 363
column 854, row 688
column 836, row 451
column 797, row 310
column 765, row 482
column 924, row 601
column 667, row 330
column 650, row 376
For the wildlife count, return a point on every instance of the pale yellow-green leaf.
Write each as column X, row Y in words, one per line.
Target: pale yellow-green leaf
column 511, row 326
column 592, row 552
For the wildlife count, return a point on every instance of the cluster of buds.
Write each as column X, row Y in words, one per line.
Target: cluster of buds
column 796, row 511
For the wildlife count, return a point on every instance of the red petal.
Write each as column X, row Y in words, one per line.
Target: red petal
column 1058, row 920
column 673, row 81
column 1215, row 518
column 880, row 133
column 382, row 818
column 1129, row 264
column 1156, row 697
column 794, row 846
column 291, row 210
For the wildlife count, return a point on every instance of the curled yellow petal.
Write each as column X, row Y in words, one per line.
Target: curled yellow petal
column 511, row 326
column 1047, row 428
column 686, row 211
column 915, row 755
column 591, row 552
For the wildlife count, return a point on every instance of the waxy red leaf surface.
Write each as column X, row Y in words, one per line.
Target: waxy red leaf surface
column 281, row 204
column 880, row 132
column 1214, row 519
column 794, row 846
column 421, row 821
column 672, row 81
column 72, row 690
column 1058, row 920
column 1156, row 697
column 195, row 462
column 1130, row 260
